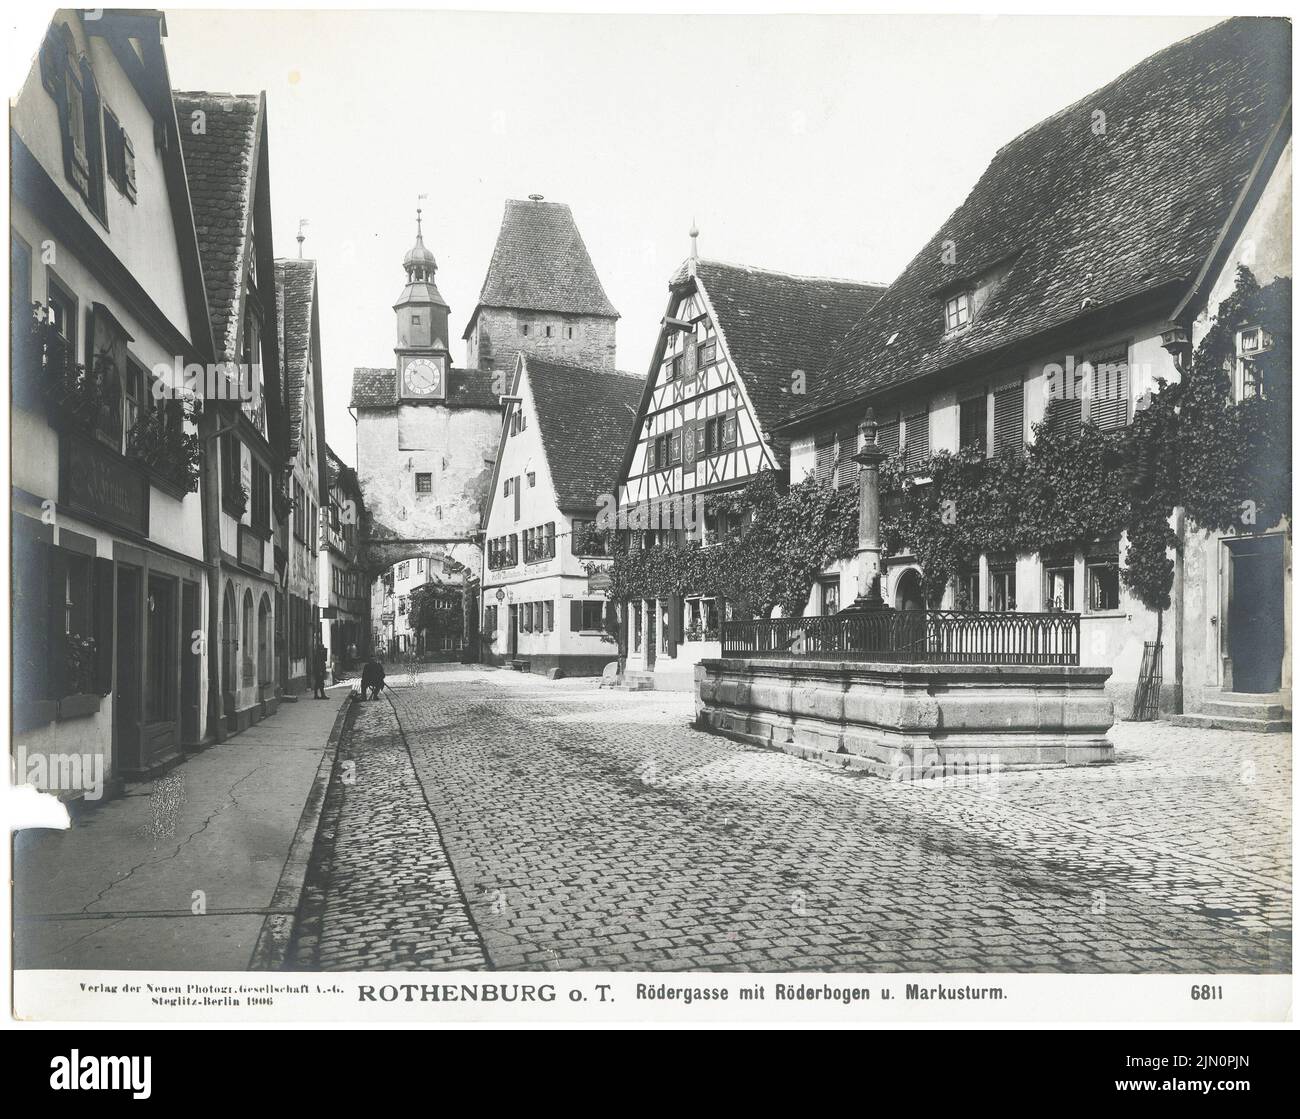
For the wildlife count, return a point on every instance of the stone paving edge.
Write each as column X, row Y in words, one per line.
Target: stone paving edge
column 273, row 942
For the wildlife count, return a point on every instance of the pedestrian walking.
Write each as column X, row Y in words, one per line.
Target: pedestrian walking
column 318, row 662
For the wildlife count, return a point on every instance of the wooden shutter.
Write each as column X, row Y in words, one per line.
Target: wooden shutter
column 825, row 459
column 1009, row 419
column 550, row 538
column 729, row 429
column 688, row 442
column 846, row 446
column 575, row 617
column 128, row 154
column 516, row 489
column 887, row 435
column 1065, row 403
column 650, row 454
column 918, row 439
column 1108, row 407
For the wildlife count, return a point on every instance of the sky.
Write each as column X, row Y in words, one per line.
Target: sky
column 828, row 145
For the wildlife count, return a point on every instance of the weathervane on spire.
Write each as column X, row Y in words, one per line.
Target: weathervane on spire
column 695, row 246
column 301, row 236
column 419, row 232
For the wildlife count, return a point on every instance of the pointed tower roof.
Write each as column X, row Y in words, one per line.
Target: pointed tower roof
column 420, row 267
column 540, row 263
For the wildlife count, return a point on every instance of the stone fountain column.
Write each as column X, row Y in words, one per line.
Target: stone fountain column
column 869, row 458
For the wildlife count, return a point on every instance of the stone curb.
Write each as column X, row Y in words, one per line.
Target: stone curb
column 272, row 946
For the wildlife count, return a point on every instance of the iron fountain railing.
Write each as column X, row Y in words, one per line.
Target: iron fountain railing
column 911, row 637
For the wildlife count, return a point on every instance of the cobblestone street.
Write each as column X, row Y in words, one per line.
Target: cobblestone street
column 480, row 818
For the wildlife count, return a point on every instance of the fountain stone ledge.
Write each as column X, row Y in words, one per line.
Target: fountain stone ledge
column 910, row 721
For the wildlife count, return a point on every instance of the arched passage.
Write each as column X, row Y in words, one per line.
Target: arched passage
column 248, row 666
column 907, row 591
column 265, row 645
column 229, row 639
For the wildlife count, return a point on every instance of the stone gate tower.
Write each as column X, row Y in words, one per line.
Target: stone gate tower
column 541, row 295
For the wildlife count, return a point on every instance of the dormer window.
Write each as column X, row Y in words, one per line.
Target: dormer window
column 956, row 311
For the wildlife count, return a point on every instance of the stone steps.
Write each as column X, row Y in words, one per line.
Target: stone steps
column 636, row 682
column 1262, row 714
column 1205, row 721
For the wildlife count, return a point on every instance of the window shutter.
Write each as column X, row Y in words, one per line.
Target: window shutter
column 887, row 436
column 650, row 454
column 575, row 616
column 1009, row 420
column 825, row 459
column 514, row 548
column 128, row 155
column 729, row 429
column 918, row 439
column 1065, row 405
column 688, row 443
column 846, row 470
column 1109, row 403
column 515, row 487
column 550, row 538
column 550, row 616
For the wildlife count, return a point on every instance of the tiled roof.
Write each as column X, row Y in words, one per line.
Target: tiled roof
column 1083, row 217
column 540, row 263
column 296, row 283
column 585, row 418
column 774, row 323
column 466, row 388
column 219, row 170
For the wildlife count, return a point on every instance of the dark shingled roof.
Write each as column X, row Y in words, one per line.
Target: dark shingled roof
column 1079, row 215
column 541, row 264
column 773, row 323
column 585, row 418
column 295, row 281
column 466, row 388
column 219, row 170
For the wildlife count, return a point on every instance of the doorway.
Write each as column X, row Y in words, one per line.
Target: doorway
column 512, row 640
column 162, row 664
column 1256, row 613
column 651, row 631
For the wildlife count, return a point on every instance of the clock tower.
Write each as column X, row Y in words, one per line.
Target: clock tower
column 423, row 359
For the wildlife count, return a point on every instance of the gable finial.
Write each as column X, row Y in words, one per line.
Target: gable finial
column 695, row 246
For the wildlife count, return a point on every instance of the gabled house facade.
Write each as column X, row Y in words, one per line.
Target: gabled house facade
column 299, row 304
column 738, row 349
column 107, row 306
column 224, row 138
column 344, row 589
column 1093, row 249
column 562, row 436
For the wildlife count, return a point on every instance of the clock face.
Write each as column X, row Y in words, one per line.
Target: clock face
column 422, row 377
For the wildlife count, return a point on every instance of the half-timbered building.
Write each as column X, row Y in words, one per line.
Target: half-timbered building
column 737, row 349
column 1109, row 278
